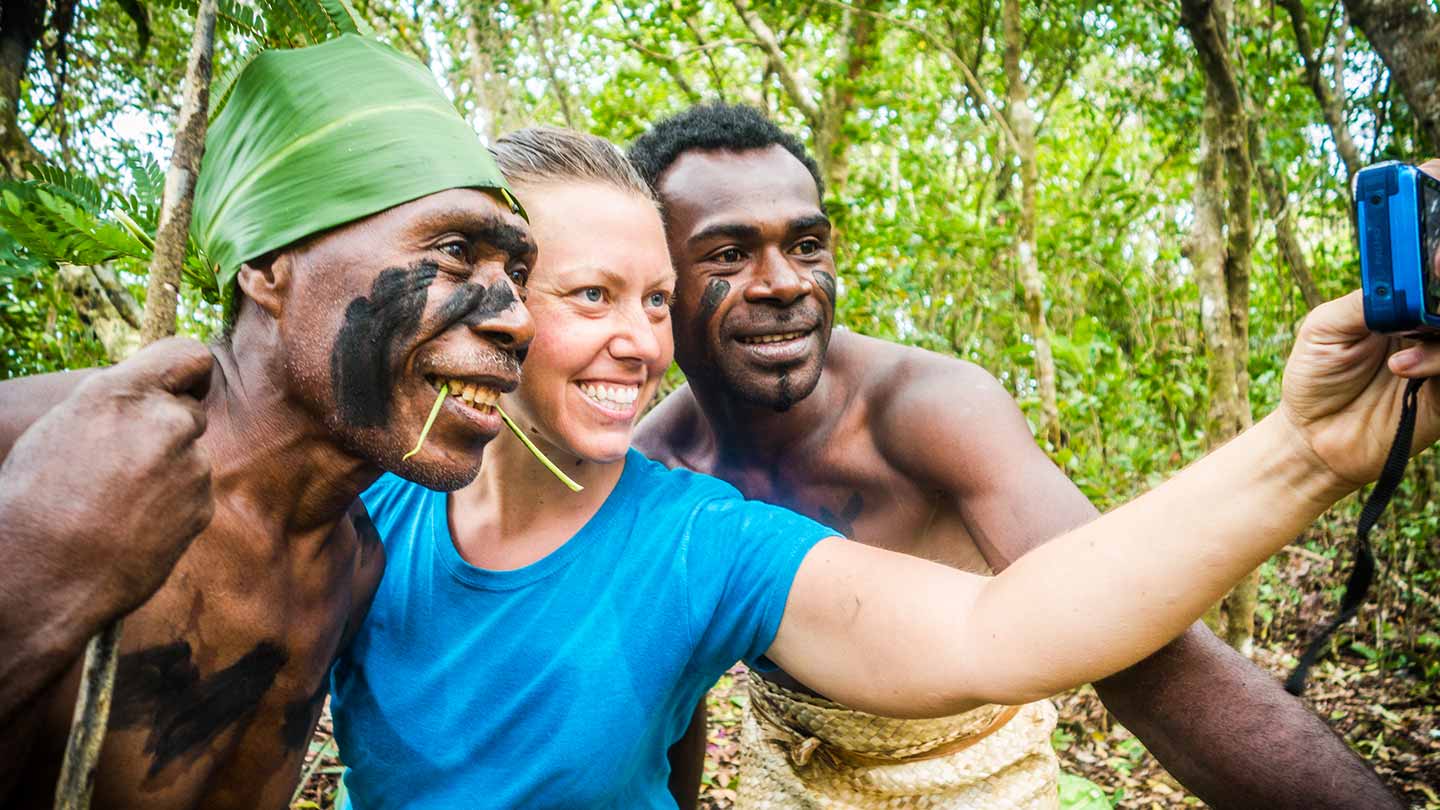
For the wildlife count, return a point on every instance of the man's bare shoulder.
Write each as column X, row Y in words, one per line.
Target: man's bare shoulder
column 895, row 376
column 920, row 402
column 672, row 429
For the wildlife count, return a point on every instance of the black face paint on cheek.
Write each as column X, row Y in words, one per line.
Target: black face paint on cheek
column 161, row 687
column 715, row 292
column 826, row 282
column 361, row 364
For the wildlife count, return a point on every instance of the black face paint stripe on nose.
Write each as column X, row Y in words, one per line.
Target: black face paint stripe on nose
column 474, row 304
column 362, row 360
column 715, row 292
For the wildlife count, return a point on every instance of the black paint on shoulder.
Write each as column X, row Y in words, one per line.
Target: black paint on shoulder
column 301, row 717
column 844, row 522
column 365, row 530
column 361, row 364
column 715, row 292
column 160, row 687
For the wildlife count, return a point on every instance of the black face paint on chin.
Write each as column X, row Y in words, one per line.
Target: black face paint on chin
column 715, row 292
column 826, row 282
column 787, row 398
column 362, row 362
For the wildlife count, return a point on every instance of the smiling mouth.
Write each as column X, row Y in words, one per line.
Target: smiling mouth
column 779, row 337
column 611, row 397
column 475, row 396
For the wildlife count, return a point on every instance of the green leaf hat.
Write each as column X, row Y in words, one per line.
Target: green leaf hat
column 316, row 137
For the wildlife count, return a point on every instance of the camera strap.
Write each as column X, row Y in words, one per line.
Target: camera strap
column 1362, row 573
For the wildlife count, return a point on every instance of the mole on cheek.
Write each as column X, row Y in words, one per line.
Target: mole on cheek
column 715, row 292
column 362, row 361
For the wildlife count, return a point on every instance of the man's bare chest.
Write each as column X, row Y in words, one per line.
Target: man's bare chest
column 222, row 675
column 865, row 499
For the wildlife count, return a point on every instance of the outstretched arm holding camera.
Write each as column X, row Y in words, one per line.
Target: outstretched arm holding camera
column 1106, row 595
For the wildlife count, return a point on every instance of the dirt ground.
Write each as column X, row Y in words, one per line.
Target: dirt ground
column 1388, row 712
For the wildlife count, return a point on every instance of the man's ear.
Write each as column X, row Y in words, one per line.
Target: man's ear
column 266, row 281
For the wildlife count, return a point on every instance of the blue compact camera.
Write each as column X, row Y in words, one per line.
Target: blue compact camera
column 1397, row 216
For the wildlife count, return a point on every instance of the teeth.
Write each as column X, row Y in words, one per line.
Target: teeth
column 615, row 395
column 780, row 338
column 476, row 396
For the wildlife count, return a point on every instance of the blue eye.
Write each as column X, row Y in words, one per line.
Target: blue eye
column 658, row 300
column 593, row 294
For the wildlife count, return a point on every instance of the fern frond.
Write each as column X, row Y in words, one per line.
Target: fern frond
column 81, row 188
column 229, row 13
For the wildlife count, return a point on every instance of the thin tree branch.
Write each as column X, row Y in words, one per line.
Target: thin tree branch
column 970, row 80
column 801, row 96
column 1331, row 105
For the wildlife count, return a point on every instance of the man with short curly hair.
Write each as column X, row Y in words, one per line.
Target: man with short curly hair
column 882, row 441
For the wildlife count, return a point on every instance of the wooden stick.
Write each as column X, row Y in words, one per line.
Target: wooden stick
column 97, row 680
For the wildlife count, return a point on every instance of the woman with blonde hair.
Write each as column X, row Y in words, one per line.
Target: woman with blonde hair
column 531, row 647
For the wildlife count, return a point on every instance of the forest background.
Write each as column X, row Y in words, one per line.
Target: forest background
column 1122, row 211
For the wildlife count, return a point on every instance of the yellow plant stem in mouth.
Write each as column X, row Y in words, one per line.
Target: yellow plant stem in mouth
column 429, row 420
column 510, row 423
column 549, row 465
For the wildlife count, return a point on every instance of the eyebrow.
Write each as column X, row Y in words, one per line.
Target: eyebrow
column 726, row 230
column 515, row 242
column 750, row 232
column 609, row 275
column 809, row 222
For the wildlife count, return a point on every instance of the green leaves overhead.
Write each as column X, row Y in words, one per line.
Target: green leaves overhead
column 64, row 217
column 317, row 137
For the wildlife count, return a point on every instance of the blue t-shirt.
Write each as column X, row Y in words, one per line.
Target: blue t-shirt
column 560, row 684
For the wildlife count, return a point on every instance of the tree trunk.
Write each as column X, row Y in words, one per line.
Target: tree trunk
column 1277, row 202
column 492, row 97
column 1406, row 34
column 97, row 680
column 1219, row 250
column 1022, row 123
column 20, row 25
column 172, row 234
column 831, row 143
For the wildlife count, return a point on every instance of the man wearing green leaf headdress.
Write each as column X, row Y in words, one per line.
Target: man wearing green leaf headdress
column 368, row 253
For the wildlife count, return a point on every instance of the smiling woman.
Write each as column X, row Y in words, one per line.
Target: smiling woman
column 509, row 605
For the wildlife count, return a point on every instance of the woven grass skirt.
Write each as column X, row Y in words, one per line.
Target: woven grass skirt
column 800, row 752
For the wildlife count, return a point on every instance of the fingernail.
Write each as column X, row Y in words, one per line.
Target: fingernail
column 1405, row 360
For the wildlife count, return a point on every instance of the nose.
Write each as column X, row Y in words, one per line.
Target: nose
column 635, row 338
column 511, row 328
column 777, row 281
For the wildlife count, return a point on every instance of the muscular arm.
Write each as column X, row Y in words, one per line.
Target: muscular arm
column 1224, row 728
column 24, row 400
column 102, row 487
